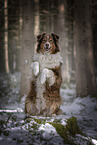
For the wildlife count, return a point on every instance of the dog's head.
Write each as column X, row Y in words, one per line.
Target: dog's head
column 48, row 43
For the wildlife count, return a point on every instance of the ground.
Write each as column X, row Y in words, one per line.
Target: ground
column 77, row 125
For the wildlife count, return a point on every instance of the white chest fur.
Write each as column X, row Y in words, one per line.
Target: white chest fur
column 48, row 60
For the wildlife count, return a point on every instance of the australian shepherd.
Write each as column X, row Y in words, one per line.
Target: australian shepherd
column 44, row 96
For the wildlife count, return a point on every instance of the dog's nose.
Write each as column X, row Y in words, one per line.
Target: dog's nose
column 47, row 45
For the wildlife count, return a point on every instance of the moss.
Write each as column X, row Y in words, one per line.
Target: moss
column 61, row 131
column 40, row 121
column 57, row 121
column 34, row 126
column 72, row 127
column 59, row 128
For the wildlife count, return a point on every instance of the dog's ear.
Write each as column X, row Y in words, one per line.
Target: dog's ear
column 39, row 37
column 56, row 41
column 55, row 37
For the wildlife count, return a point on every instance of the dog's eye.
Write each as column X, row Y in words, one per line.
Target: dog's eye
column 44, row 40
column 51, row 40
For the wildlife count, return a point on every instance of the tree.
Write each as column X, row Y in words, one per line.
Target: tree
column 6, row 35
column 85, row 71
column 27, row 44
column 2, row 48
column 13, row 35
column 59, row 23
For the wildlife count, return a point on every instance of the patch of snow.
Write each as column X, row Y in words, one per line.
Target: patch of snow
column 49, row 132
column 63, row 121
column 20, row 110
column 94, row 141
column 12, row 111
column 1, row 138
column 9, row 139
column 81, row 140
column 71, row 107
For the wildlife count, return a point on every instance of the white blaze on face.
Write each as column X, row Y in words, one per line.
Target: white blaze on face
column 47, row 44
column 48, row 38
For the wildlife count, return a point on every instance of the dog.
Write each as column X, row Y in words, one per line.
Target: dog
column 44, row 96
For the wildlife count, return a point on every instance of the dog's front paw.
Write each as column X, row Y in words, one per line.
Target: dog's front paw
column 47, row 75
column 51, row 77
column 44, row 75
column 35, row 67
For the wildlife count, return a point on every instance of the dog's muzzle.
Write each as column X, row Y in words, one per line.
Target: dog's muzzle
column 47, row 46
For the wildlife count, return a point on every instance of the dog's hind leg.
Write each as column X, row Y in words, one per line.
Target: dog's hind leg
column 30, row 102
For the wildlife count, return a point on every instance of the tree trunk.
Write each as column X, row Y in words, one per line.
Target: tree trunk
column 85, row 75
column 2, row 49
column 27, row 43
column 95, row 46
column 6, row 35
column 59, row 24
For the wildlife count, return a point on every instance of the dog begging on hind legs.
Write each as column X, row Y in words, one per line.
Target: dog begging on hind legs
column 44, row 96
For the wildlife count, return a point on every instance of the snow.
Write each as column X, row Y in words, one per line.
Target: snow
column 94, row 141
column 15, row 128
column 12, row 111
column 1, row 138
column 84, row 109
column 49, row 132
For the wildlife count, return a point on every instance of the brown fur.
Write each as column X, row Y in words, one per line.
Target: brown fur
column 31, row 100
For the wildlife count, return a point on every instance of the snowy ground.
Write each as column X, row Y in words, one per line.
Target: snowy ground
column 16, row 129
column 85, row 109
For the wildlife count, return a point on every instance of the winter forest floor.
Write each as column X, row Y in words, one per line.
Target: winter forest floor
column 16, row 128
